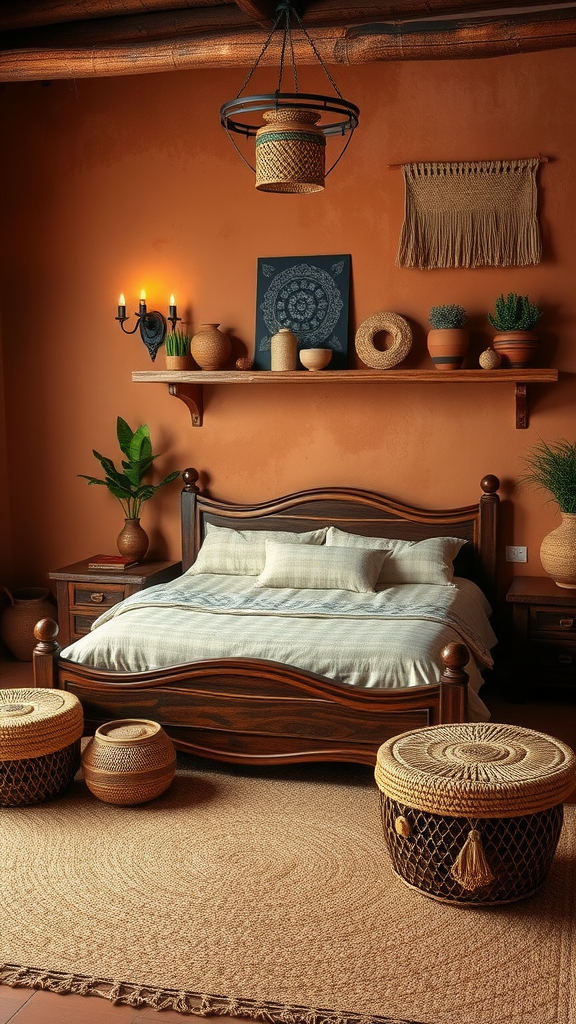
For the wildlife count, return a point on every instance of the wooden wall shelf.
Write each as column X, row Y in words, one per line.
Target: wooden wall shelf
column 188, row 385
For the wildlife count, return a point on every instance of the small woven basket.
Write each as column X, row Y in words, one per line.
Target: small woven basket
column 472, row 813
column 40, row 732
column 129, row 761
column 290, row 152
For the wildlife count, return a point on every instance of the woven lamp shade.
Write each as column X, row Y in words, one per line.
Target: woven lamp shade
column 290, row 152
column 472, row 813
column 40, row 732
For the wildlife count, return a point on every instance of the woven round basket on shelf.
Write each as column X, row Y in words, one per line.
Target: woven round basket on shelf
column 129, row 761
column 40, row 732
column 472, row 813
column 389, row 323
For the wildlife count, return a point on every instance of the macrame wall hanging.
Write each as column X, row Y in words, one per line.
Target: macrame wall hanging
column 470, row 215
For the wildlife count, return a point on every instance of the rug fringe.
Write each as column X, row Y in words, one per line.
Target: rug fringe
column 137, row 996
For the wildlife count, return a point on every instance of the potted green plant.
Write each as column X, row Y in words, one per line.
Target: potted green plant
column 514, row 319
column 552, row 467
column 128, row 484
column 178, row 351
column 448, row 340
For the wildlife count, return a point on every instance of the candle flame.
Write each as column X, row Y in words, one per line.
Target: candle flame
column 121, row 300
column 142, row 296
column 172, row 301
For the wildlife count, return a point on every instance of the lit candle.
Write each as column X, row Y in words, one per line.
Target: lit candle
column 142, row 306
column 121, row 308
column 172, row 308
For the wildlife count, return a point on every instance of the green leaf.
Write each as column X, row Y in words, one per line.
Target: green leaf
column 124, row 435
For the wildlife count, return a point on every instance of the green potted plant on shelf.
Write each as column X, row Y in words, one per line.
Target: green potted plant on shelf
column 514, row 319
column 552, row 467
column 178, row 351
column 448, row 340
column 128, row 484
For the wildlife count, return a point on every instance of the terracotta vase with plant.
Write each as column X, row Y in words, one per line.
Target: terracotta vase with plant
column 448, row 340
column 128, row 484
column 514, row 319
column 553, row 468
column 178, row 351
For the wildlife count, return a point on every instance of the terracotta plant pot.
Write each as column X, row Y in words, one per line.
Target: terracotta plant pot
column 558, row 552
column 210, row 348
column 178, row 362
column 516, row 349
column 132, row 540
column 448, row 347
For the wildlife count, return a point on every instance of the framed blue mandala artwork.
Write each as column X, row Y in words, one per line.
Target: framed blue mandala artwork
column 308, row 294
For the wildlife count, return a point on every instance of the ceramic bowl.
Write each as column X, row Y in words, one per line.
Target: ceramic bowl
column 315, row 358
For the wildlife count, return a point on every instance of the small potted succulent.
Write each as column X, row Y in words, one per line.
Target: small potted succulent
column 514, row 319
column 127, row 484
column 448, row 340
column 178, row 351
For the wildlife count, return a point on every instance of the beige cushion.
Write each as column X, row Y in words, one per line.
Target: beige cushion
column 243, row 552
column 424, row 561
column 320, row 568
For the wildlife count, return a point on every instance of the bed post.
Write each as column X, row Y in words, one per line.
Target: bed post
column 45, row 654
column 188, row 517
column 488, row 513
column 454, row 680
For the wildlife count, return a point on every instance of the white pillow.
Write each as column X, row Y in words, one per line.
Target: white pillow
column 243, row 552
column 423, row 561
column 302, row 566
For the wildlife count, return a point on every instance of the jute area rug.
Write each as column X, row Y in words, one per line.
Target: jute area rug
column 268, row 894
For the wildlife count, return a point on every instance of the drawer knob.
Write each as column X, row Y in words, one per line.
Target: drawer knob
column 565, row 659
column 97, row 598
column 566, row 623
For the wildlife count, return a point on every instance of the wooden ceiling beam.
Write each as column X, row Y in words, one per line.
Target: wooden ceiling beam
column 28, row 13
column 361, row 44
column 260, row 11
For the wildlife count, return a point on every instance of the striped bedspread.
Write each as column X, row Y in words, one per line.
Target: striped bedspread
column 391, row 638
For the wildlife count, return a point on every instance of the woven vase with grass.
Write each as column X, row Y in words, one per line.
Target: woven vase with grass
column 553, row 468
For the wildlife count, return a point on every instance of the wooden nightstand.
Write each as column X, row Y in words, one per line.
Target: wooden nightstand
column 544, row 640
column 83, row 593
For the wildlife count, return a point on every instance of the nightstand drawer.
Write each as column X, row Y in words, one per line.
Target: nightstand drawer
column 80, row 625
column 559, row 657
column 95, row 595
column 552, row 621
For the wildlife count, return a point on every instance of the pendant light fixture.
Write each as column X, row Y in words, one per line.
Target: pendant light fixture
column 291, row 144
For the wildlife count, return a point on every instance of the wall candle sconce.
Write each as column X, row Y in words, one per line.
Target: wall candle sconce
column 152, row 325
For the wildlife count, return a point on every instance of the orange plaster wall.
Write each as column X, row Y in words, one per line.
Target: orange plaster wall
column 127, row 183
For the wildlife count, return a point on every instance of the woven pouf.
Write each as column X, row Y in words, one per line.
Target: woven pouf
column 472, row 813
column 129, row 761
column 40, row 732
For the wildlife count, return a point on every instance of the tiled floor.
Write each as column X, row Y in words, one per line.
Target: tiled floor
column 23, row 1006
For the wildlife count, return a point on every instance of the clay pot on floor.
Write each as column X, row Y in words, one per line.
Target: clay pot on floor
column 27, row 606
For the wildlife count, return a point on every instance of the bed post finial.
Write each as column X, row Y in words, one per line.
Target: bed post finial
column 188, row 497
column 454, row 679
column 45, row 653
column 190, row 477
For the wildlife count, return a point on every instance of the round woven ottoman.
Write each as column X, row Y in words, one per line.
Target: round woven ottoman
column 129, row 761
column 40, row 732
column 472, row 813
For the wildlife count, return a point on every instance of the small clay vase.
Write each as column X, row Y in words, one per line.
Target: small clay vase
column 283, row 350
column 448, row 347
column 27, row 606
column 210, row 348
column 132, row 540
column 178, row 362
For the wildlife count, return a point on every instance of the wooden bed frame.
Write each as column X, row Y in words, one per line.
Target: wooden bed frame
column 254, row 711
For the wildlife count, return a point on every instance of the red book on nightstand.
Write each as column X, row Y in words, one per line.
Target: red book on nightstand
column 111, row 562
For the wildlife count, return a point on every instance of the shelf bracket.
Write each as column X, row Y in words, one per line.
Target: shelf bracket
column 192, row 396
column 521, row 406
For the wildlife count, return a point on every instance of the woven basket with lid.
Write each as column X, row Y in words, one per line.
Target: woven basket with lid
column 472, row 813
column 40, row 732
column 129, row 761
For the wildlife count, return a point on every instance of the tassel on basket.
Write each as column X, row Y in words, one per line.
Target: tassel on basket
column 471, row 869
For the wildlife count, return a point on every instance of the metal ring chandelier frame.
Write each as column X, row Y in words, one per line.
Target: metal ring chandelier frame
column 343, row 114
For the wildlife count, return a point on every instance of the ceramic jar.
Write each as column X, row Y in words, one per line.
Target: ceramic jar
column 27, row 606
column 283, row 350
column 210, row 348
column 448, row 347
column 558, row 552
column 132, row 540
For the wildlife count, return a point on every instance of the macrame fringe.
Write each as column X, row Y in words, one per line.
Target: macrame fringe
column 471, row 869
column 137, row 996
column 470, row 215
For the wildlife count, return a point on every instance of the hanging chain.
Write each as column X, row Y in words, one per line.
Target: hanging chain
column 279, row 14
